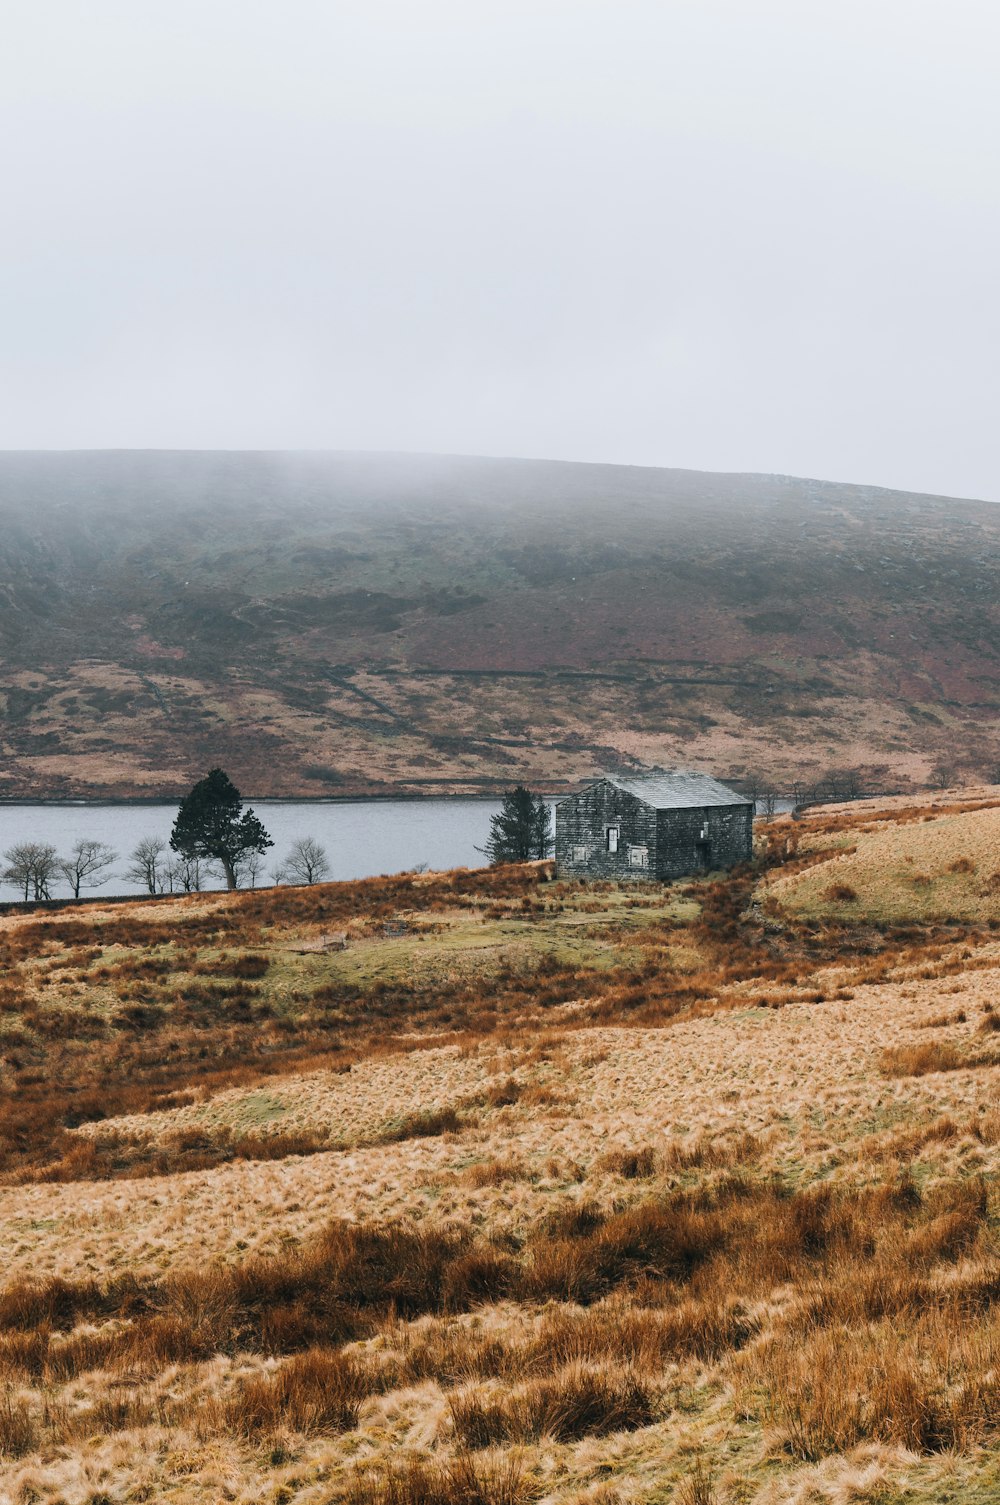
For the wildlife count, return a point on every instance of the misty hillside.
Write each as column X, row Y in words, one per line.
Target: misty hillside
column 324, row 624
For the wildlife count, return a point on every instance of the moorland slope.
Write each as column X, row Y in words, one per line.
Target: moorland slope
column 346, row 623
column 564, row 1193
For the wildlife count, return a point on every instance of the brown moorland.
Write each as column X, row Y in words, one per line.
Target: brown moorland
column 333, row 624
column 581, row 1193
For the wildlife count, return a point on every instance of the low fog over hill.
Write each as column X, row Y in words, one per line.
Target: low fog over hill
column 346, row 623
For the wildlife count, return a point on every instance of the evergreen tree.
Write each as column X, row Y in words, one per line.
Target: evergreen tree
column 212, row 823
column 521, row 831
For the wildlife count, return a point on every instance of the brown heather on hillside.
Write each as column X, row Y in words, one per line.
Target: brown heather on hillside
column 324, row 624
column 571, row 1193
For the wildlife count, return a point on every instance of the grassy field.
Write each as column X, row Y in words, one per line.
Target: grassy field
column 536, row 1191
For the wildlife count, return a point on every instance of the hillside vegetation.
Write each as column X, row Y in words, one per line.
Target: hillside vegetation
column 345, row 623
column 537, row 1191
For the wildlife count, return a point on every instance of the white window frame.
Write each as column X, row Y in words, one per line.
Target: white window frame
column 612, row 838
column 638, row 857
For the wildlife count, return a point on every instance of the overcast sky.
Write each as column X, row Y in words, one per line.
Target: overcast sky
column 727, row 234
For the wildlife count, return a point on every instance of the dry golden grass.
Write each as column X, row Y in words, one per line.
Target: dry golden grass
column 681, row 1196
column 926, row 863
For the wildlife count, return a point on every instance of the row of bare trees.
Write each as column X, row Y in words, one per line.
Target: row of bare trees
column 156, row 868
column 34, row 867
column 834, row 784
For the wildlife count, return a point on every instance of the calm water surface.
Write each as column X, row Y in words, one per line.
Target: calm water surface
column 362, row 838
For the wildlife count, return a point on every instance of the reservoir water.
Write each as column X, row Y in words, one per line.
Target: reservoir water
column 362, row 838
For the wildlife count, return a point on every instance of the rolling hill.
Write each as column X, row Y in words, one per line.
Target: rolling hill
column 337, row 623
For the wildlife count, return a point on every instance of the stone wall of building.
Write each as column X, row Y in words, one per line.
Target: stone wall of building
column 649, row 844
column 700, row 841
column 582, row 824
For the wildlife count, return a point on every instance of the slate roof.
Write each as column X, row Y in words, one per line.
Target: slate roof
column 677, row 788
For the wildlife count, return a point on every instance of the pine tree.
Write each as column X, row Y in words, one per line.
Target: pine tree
column 212, row 823
column 521, row 831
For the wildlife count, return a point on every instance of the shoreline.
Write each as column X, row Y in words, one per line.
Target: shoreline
column 70, row 802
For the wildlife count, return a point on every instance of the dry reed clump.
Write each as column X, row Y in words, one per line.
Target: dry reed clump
column 577, row 1402
column 426, row 1124
column 928, row 1056
column 504, row 1094
column 110, row 1156
column 316, row 1392
column 580, row 1263
column 983, row 1128
column 19, row 1432
column 464, row 1480
column 706, row 1153
column 497, row 1172
column 932, row 1389
column 697, row 1488
column 631, row 1165
column 621, row 1330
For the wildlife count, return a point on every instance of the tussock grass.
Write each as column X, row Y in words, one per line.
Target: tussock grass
column 316, row 1392
column 935, row 1389
column 423, row 1125
column 465, row 1480
column 18, row 1431
column 927, row 1056
column 578, row 1402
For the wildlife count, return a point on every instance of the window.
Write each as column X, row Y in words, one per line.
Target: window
column 580, row 854
column 613, row 834
column 638, row 857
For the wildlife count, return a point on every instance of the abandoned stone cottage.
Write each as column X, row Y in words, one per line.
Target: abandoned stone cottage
column 654, row 826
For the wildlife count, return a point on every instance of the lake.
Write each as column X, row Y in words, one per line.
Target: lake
column 362, row 838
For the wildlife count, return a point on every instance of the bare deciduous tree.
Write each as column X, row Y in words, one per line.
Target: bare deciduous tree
column 87, row 865
column 766, row 801
column 147, row 864
column 184, row 875
column 306, row 862
column 250, row 866
column 31, row 867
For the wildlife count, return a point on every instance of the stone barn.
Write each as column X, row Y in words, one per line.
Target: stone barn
column 654, row 826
